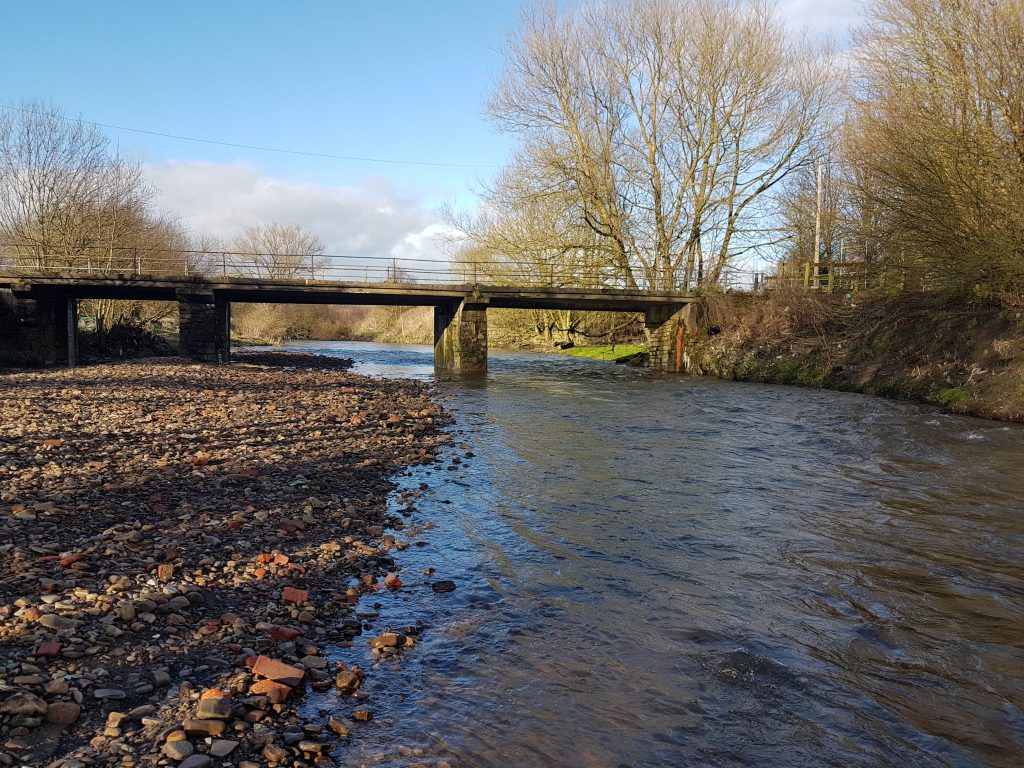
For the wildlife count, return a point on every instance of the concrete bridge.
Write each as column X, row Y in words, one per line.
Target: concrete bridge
column 45, row 305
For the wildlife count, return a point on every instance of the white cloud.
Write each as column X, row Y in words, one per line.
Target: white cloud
column 371, row 219
column 825, row 17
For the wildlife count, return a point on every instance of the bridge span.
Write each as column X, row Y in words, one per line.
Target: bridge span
column 44, row 304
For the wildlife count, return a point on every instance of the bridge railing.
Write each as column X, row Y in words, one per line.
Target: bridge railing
column 99, row 261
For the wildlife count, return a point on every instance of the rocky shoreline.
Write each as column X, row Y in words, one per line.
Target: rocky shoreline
column 182, row 544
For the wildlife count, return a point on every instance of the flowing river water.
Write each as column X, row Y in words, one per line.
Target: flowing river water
column 664, row 571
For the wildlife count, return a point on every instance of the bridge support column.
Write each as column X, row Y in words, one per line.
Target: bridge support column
column 204, row 327
column 460, row 337
column 667, row 331
column 38, row 328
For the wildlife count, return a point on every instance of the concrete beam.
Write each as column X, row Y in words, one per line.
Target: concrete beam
column 460, row 337
column 204, row 327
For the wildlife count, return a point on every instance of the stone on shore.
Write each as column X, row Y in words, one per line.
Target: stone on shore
column 165, row 544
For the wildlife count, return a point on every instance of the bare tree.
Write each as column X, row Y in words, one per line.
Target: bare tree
column 278, row 251
column 936, row 139
column 65, row 200
column 663, row 125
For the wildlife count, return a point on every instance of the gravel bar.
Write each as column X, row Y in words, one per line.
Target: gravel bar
column 179, row 544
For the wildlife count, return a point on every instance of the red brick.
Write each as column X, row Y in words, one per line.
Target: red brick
column 47, row 649
column 293, row 595
column 283, row 634
column 278, row 672
column 275, row 692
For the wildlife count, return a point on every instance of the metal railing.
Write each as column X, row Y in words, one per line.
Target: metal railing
column 368, row 270
column 849, row 277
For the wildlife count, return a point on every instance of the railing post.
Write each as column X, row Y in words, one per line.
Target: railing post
column 223, row 264
column 807, row 275
column 312, row 274
column 138, row 262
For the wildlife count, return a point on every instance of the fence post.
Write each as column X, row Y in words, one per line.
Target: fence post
column 312, row 273
column 223, row 264
column 138, row 262
column 831, row 271
column 807, row 275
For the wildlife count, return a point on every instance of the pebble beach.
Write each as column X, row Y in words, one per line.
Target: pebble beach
column 180, row 545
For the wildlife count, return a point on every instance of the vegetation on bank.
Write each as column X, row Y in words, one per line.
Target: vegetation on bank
column 964, row 356
column 616, row 353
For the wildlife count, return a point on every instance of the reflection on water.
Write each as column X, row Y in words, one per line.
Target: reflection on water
column 660, row 571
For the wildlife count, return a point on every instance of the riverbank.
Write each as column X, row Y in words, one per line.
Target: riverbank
column 616, row 353
column 964, row 356
column 182, row 544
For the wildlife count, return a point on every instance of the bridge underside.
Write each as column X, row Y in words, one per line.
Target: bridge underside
column 43, row 330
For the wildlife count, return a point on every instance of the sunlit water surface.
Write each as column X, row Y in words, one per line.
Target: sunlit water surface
column 662, row 571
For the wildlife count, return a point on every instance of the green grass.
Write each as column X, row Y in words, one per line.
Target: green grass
column 614, row 352
column 951, row 396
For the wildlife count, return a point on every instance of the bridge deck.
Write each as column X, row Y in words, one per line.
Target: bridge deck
column 245, row 289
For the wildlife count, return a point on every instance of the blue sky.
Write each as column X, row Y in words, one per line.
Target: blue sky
column 401, row 80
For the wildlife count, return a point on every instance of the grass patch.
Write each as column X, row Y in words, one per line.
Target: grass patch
column 618, row 353
column 951, row 396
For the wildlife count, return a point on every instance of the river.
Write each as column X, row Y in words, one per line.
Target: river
column 664, row 571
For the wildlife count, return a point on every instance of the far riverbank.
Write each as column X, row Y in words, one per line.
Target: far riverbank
column 964, row 356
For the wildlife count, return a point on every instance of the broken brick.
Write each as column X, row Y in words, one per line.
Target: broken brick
column 48, row 650
column 278, row 672
column 275, row 692
column 293, row 595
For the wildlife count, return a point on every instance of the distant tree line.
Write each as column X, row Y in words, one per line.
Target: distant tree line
column 69, row 202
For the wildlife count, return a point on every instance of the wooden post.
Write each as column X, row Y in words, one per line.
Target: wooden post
column 807, row 275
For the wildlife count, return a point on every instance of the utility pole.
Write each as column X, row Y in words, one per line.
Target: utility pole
column 817, row 226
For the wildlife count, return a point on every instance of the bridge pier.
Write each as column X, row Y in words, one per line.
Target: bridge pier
column 38, row 328
column 668, row 328
column 204, row 327
column 460, row 336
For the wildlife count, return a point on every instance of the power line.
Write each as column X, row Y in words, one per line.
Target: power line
column 248, row 146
